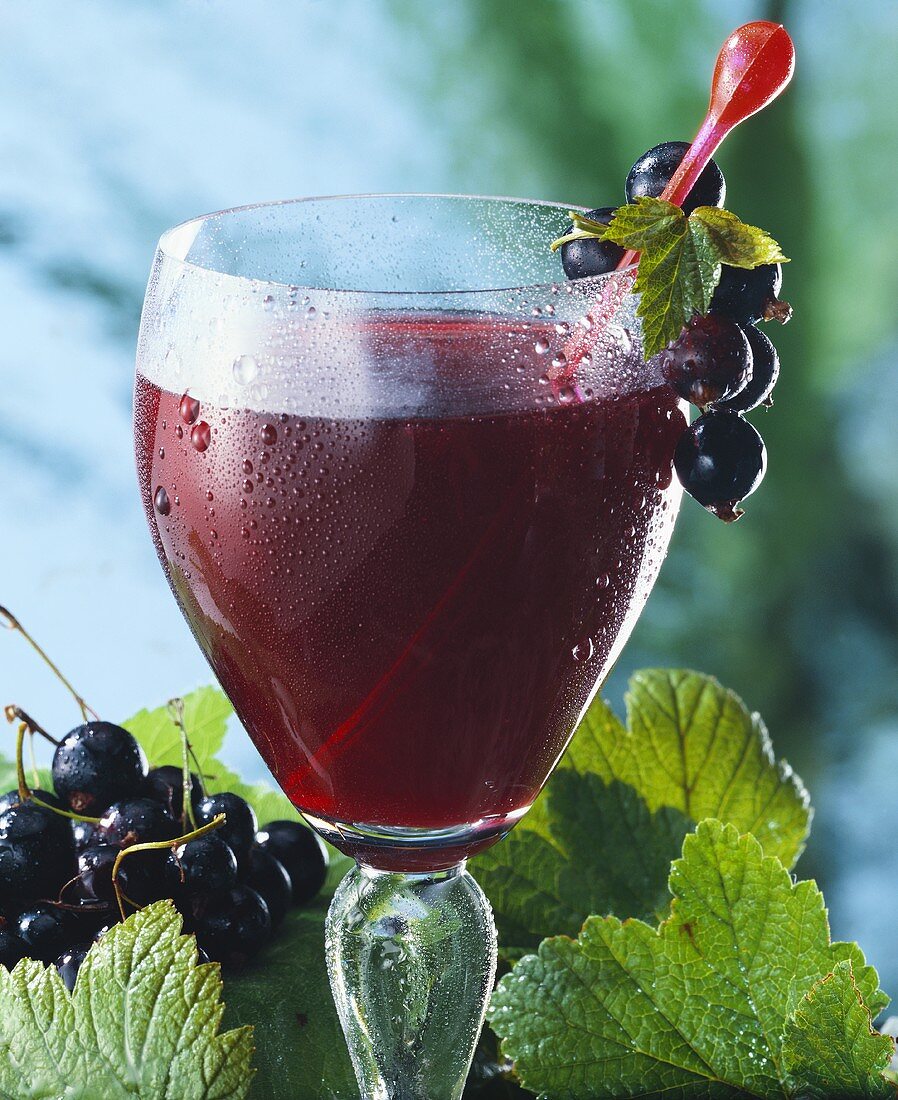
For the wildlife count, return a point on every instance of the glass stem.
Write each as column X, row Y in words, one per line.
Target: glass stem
column 412, row 960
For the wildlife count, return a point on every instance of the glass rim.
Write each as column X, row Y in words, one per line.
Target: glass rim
column 164, row 247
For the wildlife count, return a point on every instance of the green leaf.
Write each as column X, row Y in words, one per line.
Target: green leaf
column 601, row 837
column 143, row 1022
column 206, row 714
column 302, row 1054
column 680, row 259
column 697, row 1006
column 734, row 242
column 830, row 1048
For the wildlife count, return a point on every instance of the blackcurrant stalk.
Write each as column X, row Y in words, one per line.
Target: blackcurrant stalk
column 176, row 713
column 8, row 620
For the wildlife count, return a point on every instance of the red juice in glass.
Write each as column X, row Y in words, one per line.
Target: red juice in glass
column 411, row 612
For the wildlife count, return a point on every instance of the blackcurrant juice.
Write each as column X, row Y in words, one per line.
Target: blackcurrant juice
column 411, row 612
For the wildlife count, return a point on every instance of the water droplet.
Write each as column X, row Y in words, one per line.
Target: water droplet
column 268, row 302
column 200, row 436
column 560, row 360
column 179, row 431
column 246, row 369
column 161, row 501
column 583, row 651
column 247, row 466
column 189, row 409
column 602, row 580
column 247, row 486
column 566, row 395
column 162, row 452
column 311, row 311
column 269, row 435
column 541, row 346
column 210, row 495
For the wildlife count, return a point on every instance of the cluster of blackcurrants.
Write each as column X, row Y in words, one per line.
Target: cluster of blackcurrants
column 58, row 853
column 721, row 362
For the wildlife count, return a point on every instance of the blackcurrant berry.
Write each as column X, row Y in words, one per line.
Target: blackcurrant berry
column 44, row 929
column 204, row 866
column 97, row 764
column 69, row 963
column 239, row 828
column 745, row 294
column 135, row 821
column 268, row 877
column 95, row 865
column 709, row 361
column 234, row 929
column 653, row 171
column 588, row 255
column 166, row 785
column 765, row 369
column 12, row 948
column 36, row 856
column 720, row 460
column 302, row 854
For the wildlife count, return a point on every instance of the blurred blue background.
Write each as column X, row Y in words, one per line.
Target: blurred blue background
column 118, row 120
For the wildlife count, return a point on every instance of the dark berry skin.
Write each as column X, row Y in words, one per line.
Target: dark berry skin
column 710, row 361
column 239, row 828
column 654, row 169
column 12, row 948
column 44, row 930
column 720, row 460
column 743, row 294
column 166, row 785
column 234, row 929
column 97, row 764
column 589, row 256
column 765, row 369
column 203, row 866
column 135, row 821
column 268, row 877
column 36, row 856
column 302, row 853
column 69, row 963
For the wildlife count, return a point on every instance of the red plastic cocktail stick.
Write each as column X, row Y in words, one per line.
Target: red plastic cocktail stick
column 754, row 65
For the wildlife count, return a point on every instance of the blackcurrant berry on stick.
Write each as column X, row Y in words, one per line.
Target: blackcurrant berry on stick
column 654, row 169
column 765, row 369
column 710, row 361
column 749, row 294
column 720, row 460
column 587, row 256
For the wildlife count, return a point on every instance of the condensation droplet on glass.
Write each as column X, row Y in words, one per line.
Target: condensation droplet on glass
column 550, row 309
column 161, row 502
column 602, row 581
column 583, row 651
column 200, row 436
column 268, row 302
column 246, row 369
column 562, row 328
column 560, row 360
column 541, row 346
column 269, row 434
column 189, row 409
column 311, row 311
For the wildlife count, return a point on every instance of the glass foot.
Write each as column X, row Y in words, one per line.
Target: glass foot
column 412, row 960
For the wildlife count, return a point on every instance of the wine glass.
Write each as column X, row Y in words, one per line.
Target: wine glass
column 411, row 490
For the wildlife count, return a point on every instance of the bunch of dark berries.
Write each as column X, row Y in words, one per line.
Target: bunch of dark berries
column 114, row 835
column 721, row 362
